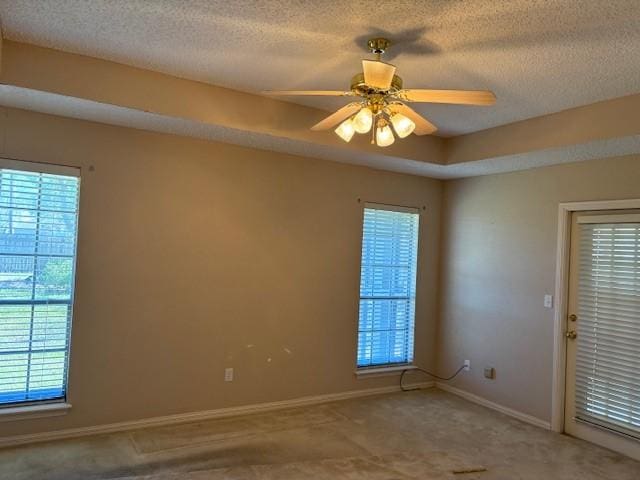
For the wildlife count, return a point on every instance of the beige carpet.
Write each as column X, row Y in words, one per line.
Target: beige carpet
column 416, row 435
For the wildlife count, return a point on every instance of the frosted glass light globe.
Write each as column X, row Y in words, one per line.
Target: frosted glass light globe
column 403, row 126
column 384, row 136
column 363, row 120
column 345, row 130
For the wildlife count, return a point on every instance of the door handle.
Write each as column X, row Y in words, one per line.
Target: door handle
column 571, row 334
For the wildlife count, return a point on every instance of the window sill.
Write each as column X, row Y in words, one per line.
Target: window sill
column 383, row 371
column 28, row 412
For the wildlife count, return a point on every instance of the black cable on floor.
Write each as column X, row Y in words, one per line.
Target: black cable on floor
column 445, row 379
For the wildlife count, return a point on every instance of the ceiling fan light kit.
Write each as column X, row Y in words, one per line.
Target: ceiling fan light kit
column 381, row 108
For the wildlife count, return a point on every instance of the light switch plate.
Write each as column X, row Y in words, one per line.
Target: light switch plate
column 228, row 374
column 489, row 372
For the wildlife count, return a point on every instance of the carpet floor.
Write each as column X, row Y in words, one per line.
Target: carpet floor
column 425, row 434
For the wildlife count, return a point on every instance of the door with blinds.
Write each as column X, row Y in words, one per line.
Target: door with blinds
column 603, row 331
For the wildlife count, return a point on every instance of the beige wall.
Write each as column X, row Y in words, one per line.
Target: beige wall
column 195, row 256
column 499, row 245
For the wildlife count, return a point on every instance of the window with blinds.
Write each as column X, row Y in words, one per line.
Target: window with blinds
column 387, row 286
column 38, row 225
column 608, row 350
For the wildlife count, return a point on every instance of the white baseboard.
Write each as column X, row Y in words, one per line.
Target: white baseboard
column 199, row 416
column 494, row 406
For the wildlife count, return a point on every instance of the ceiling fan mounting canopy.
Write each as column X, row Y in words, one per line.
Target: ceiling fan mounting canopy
column 378, row 45
column 381, row 105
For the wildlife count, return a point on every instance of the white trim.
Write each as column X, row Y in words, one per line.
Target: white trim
column 391, row 208
column 384, row 371
column 495, row 406
column 200, row 416
column 27, row 412
column 561, row 292
column 620, row 218
column 50, row 168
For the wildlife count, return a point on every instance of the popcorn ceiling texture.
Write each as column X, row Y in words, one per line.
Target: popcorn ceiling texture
column 538, row 56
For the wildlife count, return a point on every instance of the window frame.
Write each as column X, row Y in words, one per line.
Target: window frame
column 47, row 407
column 391, row 368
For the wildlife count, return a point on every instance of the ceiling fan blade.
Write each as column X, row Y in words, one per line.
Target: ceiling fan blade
column 300, row 93
column 378, row 74
column 423, row 126
column 337, row 117
column 460, row 97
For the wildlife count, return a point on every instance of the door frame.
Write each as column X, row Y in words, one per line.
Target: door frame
column 565, row 210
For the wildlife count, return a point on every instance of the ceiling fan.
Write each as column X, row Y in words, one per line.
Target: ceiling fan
column 381, row 102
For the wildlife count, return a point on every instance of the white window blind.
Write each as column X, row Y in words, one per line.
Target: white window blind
column 387, row 286
column 608, row 350
column 38, row 224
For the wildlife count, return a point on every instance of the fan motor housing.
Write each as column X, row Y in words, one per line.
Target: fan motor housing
column 361, row 88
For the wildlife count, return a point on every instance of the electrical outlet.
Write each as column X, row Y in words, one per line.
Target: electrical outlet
column 467, row 365
column 548, row 301
column 228, row 374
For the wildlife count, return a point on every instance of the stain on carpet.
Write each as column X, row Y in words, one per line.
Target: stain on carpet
column 154, row 440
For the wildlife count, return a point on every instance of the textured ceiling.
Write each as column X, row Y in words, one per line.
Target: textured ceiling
column 538, row 56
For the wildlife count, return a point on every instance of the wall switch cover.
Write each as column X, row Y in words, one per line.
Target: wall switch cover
column 489, row 372
column 228, row 374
